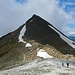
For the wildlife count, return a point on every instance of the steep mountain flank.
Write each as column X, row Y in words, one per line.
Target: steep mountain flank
column 39, row 30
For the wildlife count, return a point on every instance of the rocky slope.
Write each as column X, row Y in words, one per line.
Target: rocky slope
column 23, row 43
column 42, row 67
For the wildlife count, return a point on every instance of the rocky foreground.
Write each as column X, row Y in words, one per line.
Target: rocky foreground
column 42, row 66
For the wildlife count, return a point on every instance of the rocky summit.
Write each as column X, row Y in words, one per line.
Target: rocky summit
column 23, row 44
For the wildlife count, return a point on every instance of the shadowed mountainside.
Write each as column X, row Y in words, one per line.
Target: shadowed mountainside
column 39, row 30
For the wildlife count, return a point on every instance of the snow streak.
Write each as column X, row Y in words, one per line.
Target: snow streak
column 22, row 34
column 64, row 38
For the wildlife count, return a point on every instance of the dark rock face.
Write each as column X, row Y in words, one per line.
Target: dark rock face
column 38, row 29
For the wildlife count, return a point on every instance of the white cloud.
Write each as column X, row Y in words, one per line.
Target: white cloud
column 13, row 15
column 72, row 13
column 72, row 33
column 69, row 31
column 69, row 3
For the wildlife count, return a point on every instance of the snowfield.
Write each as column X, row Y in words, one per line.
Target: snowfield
column 42, row 67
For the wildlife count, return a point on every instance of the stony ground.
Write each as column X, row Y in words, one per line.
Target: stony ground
column 42, row 67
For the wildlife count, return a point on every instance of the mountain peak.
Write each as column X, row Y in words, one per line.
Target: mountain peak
column 34, row 15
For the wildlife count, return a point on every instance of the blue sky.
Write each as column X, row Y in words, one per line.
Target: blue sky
column 69, row 7
column 60, row 13
column 21, row 1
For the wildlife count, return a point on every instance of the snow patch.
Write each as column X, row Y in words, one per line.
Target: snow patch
column 64, row 38
column 42, row 53
column 22, row 34
column 28, row 45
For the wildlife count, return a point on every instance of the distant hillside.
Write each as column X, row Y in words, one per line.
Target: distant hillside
column 72, row 38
